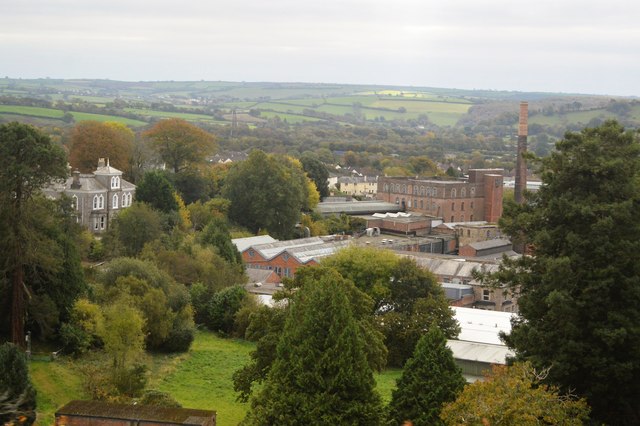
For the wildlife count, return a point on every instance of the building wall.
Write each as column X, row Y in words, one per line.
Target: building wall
column 468, row 234
column 475, row 199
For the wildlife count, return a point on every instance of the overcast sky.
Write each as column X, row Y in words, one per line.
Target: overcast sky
column 553, row 46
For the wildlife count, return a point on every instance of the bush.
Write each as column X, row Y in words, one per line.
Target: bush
column 17, row 395
column 223, row 307
column 131, row 381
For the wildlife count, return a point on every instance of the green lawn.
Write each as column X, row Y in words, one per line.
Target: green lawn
column 200, row 378
column 203, row 379
column 57, row 383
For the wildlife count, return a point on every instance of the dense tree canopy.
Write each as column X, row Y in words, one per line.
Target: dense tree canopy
column 266, row 192
column 180, row 143
column 28, row 162
column 320, row 374
column 580, row 289
column 91, row 140
column 156, row 190
column 407, row 298
column 318, row 173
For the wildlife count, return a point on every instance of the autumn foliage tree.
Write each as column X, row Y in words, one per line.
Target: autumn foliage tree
column 91, row 140
column 514, row 395
column 179, row 143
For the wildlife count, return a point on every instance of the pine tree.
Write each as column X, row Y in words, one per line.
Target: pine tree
column 320, row 375
column 430, row 378
column 580, row 290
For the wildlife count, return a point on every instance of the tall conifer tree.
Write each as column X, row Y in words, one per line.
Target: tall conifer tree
column 580, row 290
column 321, row 374
column 430, row 378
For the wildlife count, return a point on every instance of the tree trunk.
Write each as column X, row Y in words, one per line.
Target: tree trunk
column 18, row 305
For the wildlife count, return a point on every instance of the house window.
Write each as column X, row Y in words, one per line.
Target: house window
column 98, row 202
column 115, row 182
column 102, row 222
column 114, row 201
column 96, row 223
column 278, row 270
column 285, row 256
column 486, row 295
column 287, row 272
column 74, row 202
column 251, row 252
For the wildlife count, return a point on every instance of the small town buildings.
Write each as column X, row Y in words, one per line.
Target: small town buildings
column 285, row 257
column 359, row 186
column 457, row 270
column 101, row 413
column 479, row 197
column 469, row 232
column 97, row 197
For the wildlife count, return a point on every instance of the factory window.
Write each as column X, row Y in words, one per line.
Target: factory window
column 397, row 200
column 453, row 193
column 472, row 205
column 453, row 207
column 486, row 295
column 386, row 187
column 463, row 192
column 471, row 218
column 462, row 207
column 473, row 191
column 453, row 219
column 421, row 204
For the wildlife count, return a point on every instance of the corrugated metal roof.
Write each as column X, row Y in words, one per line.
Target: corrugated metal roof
column 482, row 326
column 357, row 207
column 479, row 352
column 244, row 243
column 483, row 245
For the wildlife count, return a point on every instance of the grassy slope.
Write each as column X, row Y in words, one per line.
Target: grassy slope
column 56, row 383
column 203, row 379
column 198, row 379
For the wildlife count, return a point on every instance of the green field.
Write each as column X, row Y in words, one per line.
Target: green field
column 85, row 116
column 291, row 118
column 168, row 114
column 198, row 379
column 32, row 111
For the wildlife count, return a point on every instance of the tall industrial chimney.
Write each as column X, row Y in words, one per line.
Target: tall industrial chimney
column 521, row 165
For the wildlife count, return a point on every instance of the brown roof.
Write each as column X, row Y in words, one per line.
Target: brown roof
column 182, row 416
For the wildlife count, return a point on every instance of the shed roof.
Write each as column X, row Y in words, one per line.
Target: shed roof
column 244, row 243
column 482, row 326
column 479, row 352
column 488, row 244
column 183, row 416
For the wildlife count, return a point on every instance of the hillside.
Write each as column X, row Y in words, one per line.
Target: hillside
column 139, row 103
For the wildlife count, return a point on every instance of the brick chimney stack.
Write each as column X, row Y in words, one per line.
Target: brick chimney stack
column 521, row 165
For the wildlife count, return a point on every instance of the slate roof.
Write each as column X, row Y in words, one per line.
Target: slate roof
column 181, row 416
